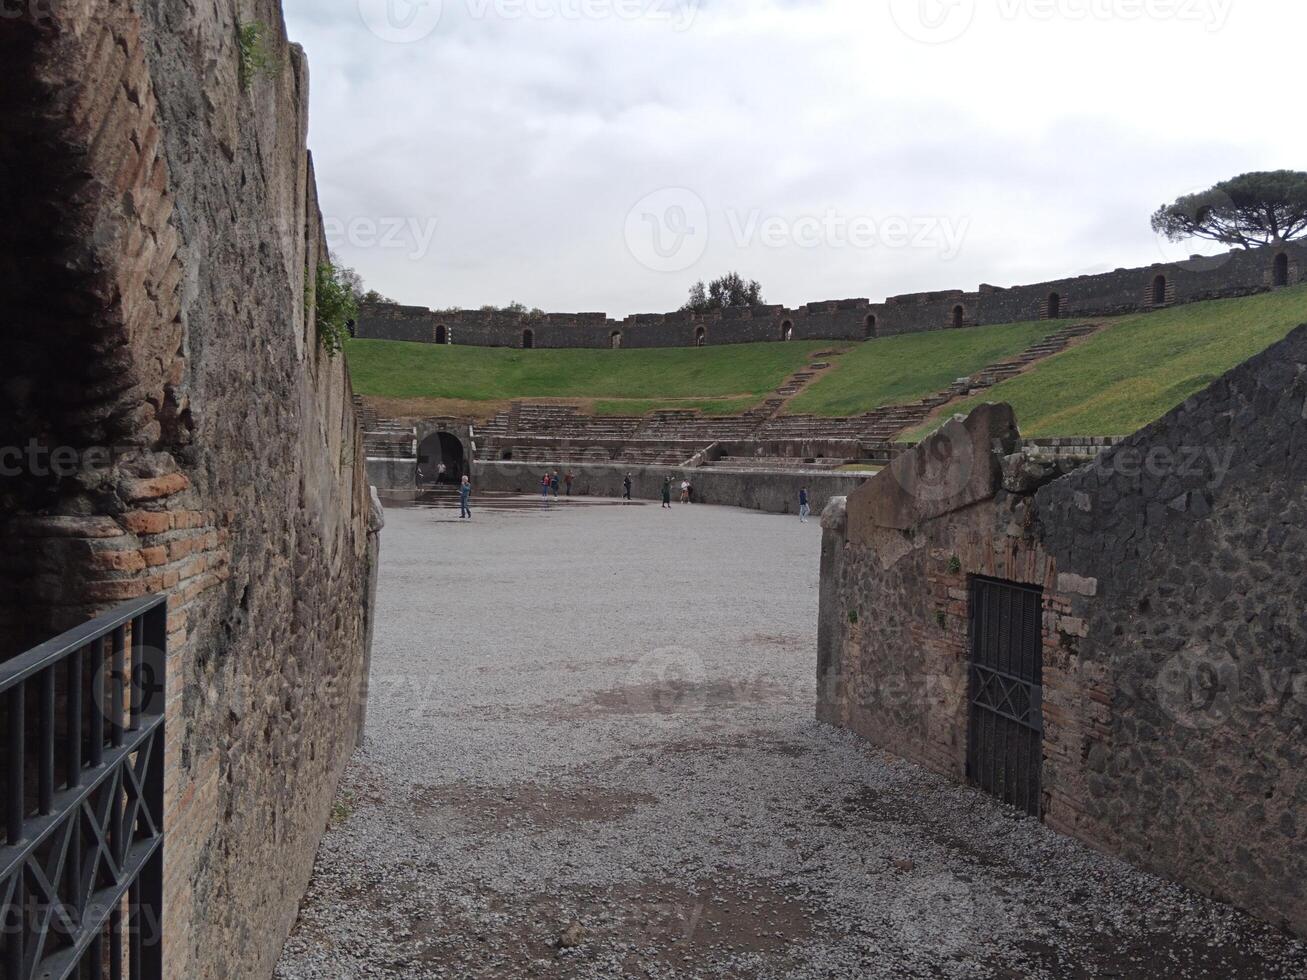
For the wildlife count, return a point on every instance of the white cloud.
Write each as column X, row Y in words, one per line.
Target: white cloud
column 527, row 129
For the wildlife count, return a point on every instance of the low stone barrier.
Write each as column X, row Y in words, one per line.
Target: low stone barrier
column 775, row 493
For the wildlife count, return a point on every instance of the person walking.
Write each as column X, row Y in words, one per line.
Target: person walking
column 667, row 493
column 685, row 491
column 568, row 480
column 804, row 509
column 689, row 491
column 626, row 488
column 464, row 495
column 553, row 484
column 544, row 489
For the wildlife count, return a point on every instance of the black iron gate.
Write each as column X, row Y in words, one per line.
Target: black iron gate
column 1005, row 743
column 81, row 869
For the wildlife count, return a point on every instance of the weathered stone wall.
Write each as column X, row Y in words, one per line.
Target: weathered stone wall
column 1238, row 273
column 776, row 493
column 161, row 224
column 1174, row 680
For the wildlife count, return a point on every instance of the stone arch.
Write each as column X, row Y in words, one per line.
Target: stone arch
column 701, row 337
column 528, row 339
column 615, row 340
column 442, row 334
column 787, row 330
column 869, row 326
column 959, row 316
column 437, row 449
column 1054, row 306
column 1280, row 273
column 1160, row 285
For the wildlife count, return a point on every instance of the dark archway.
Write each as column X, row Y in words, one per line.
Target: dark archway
column 1159, row 291
column 441, row 449
column 1281, row 275
column 787, row 330
column 959, row 316
column 701, row 337
column 1054, row 306
column 442, row 334
column 869, row 328
column 615, row 340
column 528, row 339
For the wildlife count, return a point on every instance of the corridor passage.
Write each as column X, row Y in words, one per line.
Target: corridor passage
column 591, row 753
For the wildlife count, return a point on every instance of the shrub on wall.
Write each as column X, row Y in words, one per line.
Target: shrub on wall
column 255, row 58
column 336, row 307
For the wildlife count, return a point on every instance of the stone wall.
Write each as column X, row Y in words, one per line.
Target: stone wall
column 1238, row 273
column 775, row 493
column 1174, row 685
column 160, row 226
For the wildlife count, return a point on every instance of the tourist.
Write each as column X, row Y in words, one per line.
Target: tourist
column 568, row 480
column 544, row 489
column 685, row 491
column 689, row 490
column 464, row 493
column 667, row 492
column 626, row 488
column 804, row 510
column 440, row 473
column 553, row 484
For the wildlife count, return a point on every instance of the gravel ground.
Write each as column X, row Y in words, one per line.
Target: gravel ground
column 591, row 753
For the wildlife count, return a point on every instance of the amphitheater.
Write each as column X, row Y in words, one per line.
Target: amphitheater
column 829, row 454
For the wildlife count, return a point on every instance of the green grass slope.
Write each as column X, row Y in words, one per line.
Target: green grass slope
column 898, row 370
column 688, row 377
column 1141, row 367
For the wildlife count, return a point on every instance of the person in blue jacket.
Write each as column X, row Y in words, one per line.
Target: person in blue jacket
column 804, row 509
column 464, row 494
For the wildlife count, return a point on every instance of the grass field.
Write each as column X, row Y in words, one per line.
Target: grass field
column 727, row 379
column 898, row 370
column 1141, row 367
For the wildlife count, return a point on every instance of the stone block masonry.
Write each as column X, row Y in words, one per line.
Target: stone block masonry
column 1174, row 686
column 1238, row 273
column 156, row 251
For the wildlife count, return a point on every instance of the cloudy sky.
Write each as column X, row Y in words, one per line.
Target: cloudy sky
column 586, row 155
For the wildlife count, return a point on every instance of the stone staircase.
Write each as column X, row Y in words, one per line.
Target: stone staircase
column 382, row 438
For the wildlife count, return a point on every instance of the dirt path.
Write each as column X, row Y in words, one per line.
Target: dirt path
column 592, row 754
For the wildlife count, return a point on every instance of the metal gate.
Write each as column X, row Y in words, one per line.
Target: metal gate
column 1005, row 743
column 81, row 859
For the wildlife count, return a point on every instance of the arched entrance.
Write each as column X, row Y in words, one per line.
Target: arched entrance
column 1054, row 306
column 700, row 337
column 528, row 339
column 615, row 340
column 787, row 330
column 437, row 450
column 1281, row 276
column 869, row 328
column 959, row 315
column 442, row 334
column 1159, row 291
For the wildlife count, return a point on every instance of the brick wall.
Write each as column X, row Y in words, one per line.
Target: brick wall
column 1237, row 273
column 157, row 252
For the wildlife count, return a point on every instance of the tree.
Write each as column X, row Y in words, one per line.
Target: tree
column 730, row 290
column 1265, row 208
column 354, row 282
